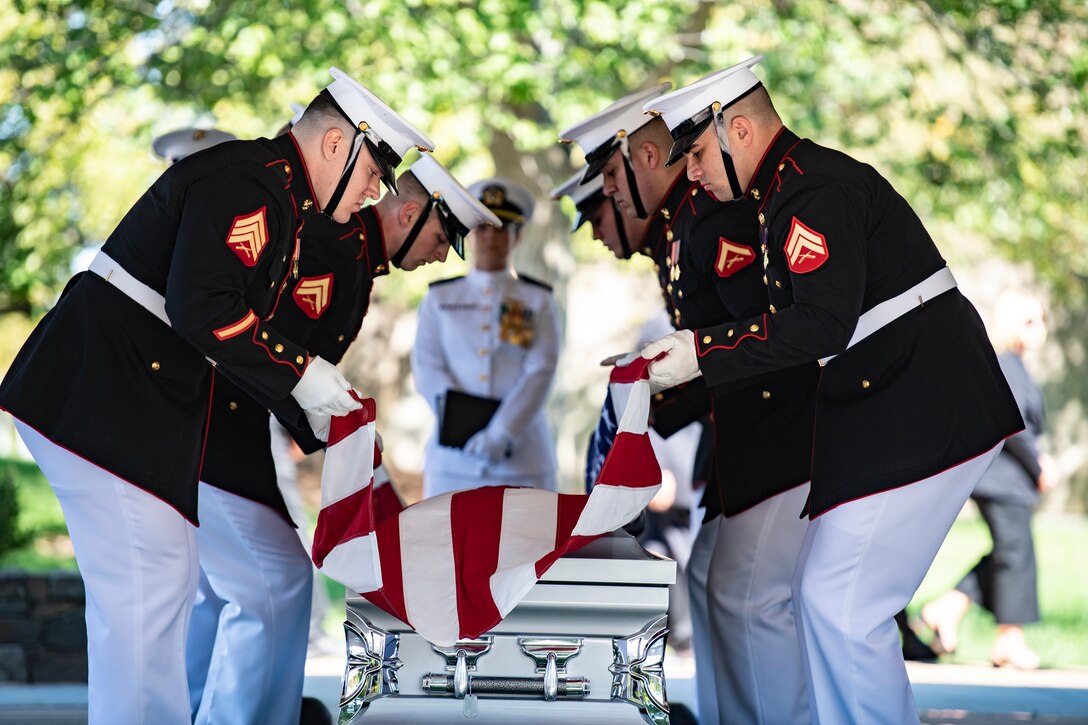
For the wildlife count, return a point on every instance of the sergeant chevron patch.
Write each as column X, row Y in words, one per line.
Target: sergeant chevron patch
column 312, row 295
column 732, row 258
column 248, row 236
column 806, row 249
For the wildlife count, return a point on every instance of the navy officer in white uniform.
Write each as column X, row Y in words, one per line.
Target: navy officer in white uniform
column 493, row 334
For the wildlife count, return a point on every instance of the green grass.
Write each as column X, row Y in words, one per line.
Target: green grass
column 1061, row 541
column 40, row 517
column 1061, row 549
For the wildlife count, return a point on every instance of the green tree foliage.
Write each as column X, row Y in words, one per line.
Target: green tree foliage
column 973, row 108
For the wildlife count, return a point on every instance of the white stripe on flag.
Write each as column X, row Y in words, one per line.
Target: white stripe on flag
column 636, row 410
column 429, row 574
column 349, row 466
column 355, row 564
column 521, row 546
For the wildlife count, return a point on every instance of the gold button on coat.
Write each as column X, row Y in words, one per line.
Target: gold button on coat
column 755, row 193
column 707, row 339
column 766, row 394
column 778, row 284
column 729, row 333
column 339, row 338
column 380, row 267
column 659, row 396
column 865, row 384
column 665, row 213
column 668, row 235
column 781, row 166
column 155, row 365
column 773, row 310
column 762, row 219
column 300, row 359
column 754, row 328
column 233, row 405
column 287, row 168
column 278, row 347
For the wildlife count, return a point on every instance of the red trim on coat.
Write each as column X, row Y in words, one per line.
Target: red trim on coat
column 763, row 158
column 911, row 483
column 101, row 467
column 756, row 335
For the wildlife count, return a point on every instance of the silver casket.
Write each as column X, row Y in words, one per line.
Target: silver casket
column 585, row 645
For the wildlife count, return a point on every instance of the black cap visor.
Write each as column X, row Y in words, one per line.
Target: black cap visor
column 386, row 159
column 452, row 227
column 686, row 134
column 586, row 209
column 598, row 157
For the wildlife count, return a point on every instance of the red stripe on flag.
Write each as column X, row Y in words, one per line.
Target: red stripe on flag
column 630, row 462
column 386, row 503
column 346, row 519
column 568, row 508
column 636, row 370
column 390, row 597
column 476, row 523
column 341, row 426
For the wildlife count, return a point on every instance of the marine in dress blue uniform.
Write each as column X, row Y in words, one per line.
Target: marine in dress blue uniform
column 857, row 284
column 257, row 572
column 112, row 388
column 494, row 334
column 709, row 275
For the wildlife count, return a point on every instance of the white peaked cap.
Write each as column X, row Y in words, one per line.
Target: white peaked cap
column 723, row 86
column 362, row 106
column 576, row 190
column 297, row 110
column 176, row 145
column 624, row 115
column 436, row 179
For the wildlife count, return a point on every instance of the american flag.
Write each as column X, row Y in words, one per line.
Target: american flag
column 451, row 567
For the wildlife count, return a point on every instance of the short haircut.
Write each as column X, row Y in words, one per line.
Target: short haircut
column 410, row 189
column 757, row 107
column 321, row 115
column 655, row 132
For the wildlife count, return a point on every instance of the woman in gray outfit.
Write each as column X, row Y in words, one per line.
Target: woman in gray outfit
column 1003, row 581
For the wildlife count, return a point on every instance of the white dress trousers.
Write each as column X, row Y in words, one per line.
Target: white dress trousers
column 860, row 564
column 757, row 661
column 138, row 559
column 259, row 579
column 706, row 685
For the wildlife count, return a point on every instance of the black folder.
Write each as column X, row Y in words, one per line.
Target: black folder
column 462, row 415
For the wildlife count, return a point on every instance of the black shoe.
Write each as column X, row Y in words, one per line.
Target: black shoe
column 314, row 712
column 915, row 649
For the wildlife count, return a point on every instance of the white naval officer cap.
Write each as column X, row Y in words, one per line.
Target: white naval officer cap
column 176, row 145
column 586, row 197
column 458, row 210
column 388, row 136
column 689, row 110
column 297, row 109
column 602, row 133
column 509, row 201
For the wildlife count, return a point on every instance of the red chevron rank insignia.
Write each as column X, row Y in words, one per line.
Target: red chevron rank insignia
column 312, row 295
column 732, row 258
column 806, row 249
column 248, row 236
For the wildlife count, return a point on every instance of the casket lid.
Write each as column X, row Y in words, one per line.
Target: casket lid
column 615, row 558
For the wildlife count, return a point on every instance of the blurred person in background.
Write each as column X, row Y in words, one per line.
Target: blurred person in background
column 1004, row 581
column 486, row 349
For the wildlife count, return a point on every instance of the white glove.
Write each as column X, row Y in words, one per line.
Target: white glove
column 378, row 442
column 324, row 390
column 491, row 447
column 679, row 364
column 319, row 424
column 619, row 360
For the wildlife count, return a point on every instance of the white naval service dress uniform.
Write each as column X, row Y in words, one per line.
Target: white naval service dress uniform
column 495, row 335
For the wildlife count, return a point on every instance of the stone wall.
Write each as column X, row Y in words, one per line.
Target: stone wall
column 43, row 636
